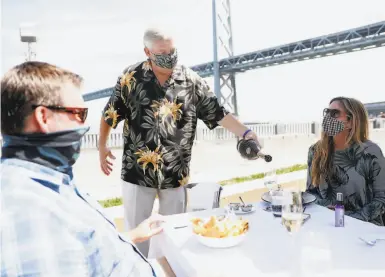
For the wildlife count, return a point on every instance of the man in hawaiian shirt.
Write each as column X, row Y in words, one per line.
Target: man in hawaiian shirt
column 160, row 102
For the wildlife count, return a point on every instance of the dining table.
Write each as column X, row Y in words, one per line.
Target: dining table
column 317, row 249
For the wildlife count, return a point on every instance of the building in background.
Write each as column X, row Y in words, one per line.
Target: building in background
column 375, row 109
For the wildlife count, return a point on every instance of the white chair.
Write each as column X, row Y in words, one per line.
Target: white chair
column 202, row 196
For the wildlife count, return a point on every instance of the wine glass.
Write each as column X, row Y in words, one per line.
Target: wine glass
column 270, row 180
column 292, row 211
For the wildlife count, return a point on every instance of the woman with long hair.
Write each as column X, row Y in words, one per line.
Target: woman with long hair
column 345, row 160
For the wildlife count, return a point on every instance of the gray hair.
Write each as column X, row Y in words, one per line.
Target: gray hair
column 152, row 35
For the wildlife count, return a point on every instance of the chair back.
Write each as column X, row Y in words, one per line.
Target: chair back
column 202, row 196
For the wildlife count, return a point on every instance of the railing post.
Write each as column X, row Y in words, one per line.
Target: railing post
column 313, row 128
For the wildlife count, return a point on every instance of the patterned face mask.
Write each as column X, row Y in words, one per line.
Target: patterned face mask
column 58, row 150
column 166, row 60
column 332, row 126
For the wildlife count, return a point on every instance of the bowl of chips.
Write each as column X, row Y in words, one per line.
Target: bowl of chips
column 220, row 231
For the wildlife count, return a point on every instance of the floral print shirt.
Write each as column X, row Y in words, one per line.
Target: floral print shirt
column 359, row 173
column 160, row 123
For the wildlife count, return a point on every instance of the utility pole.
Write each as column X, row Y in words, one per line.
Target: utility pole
column 28, row 36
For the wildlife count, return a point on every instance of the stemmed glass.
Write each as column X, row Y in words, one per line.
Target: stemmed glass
column 270, row 180
column 292, row 219
column 292, row 211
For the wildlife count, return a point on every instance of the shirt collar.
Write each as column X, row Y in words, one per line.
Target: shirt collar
column 39, row 171
column 178, row 73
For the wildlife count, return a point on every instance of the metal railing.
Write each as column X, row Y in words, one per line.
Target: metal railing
column 90, row 141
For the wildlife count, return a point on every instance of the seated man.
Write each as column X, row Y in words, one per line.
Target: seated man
column 48, row 227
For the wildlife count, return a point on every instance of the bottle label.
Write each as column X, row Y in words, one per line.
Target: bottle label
column 339, row 217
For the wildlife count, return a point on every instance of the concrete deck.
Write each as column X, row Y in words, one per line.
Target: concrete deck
column 210, row 162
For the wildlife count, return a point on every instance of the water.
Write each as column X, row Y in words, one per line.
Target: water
column 276, row 202
column 271, row 184
column 276, row 210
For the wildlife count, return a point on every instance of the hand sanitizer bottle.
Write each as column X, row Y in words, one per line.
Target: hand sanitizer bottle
column 339, row 211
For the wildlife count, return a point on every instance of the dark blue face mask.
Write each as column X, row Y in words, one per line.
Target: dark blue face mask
column 57, row 150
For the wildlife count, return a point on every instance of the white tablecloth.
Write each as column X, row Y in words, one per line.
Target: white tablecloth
column 319, row 249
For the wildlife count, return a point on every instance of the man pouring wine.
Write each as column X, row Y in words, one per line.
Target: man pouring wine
column 160, row 102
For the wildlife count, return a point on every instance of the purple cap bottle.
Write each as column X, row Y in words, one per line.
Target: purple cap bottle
column 339, row 211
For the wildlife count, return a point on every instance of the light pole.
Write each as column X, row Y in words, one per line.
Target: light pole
column 28, row 36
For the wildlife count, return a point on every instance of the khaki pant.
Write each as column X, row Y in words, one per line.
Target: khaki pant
column 138, row 203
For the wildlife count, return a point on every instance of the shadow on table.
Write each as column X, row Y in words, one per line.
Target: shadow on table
column 250, row 257
column 314, row 251
column 272, row 253
column 350, row 253
column 319, row 247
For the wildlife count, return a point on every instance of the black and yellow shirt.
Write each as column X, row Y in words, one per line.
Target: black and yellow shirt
column 160, row 123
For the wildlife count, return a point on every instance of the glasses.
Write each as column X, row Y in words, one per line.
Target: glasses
column 332, row 112
column 335, row 113
column 80, row 113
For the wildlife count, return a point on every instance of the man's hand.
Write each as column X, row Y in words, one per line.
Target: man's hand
column 147, row 229
column 252, row 135
column 105, row 164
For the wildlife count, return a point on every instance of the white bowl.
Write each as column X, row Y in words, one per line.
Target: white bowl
column 221, row 242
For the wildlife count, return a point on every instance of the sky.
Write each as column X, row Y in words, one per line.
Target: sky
column 98, row 39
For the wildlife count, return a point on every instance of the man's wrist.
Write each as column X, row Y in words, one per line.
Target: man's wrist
column 101, row 145
column 245, row 133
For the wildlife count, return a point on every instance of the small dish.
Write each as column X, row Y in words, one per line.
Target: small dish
column 235, row 206
column 247, row 208
column 307, row 198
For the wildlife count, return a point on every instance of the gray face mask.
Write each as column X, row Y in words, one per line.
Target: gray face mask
column 332, row 126
column 166, row 60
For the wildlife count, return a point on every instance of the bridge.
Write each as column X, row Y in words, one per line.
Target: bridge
column 375, row 108
column 224, row 70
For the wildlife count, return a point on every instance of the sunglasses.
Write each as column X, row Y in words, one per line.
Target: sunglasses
column 332, row 112
column 81, row 113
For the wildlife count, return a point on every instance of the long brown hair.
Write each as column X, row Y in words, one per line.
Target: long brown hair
column 322, row 163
